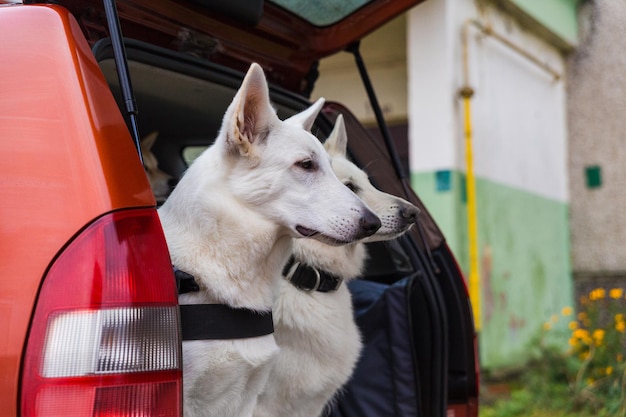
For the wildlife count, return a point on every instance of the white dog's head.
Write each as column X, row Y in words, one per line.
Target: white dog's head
column 396, row 214
column 282, row 171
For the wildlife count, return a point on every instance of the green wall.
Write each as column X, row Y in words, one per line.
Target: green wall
column 524, row 258
column 558, row 16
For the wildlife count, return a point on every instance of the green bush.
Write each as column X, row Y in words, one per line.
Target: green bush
column 578, row 367
column 596, row 344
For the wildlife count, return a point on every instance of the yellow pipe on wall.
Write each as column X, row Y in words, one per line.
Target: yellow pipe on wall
column 472, row 216
column 466, row 94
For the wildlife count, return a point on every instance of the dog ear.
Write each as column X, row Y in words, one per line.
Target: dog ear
column 147, row 142
column 252, row 113
column 337, row 142
column 306, row 118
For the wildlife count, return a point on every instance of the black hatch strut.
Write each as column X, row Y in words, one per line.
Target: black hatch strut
column 382, row 125
column 391, row 148
column 121, row 64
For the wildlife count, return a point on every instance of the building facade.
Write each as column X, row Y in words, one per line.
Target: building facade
column 597, row 128
column 508, row 59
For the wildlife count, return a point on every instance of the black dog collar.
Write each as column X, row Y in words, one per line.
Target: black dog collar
column 307, row 278
column 218, row 321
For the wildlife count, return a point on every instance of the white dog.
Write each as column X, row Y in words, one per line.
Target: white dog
column 318, row 339
column 230, row 223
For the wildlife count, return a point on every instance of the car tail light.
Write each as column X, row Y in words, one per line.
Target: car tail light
column 105, row 335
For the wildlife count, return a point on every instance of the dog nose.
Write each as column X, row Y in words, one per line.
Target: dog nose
column 369, row 223
column 410, row 213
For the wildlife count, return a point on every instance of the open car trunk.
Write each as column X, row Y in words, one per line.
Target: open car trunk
column 428, row 367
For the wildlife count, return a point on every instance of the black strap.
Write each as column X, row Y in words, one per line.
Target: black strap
column 219, row 321
column 308, row 278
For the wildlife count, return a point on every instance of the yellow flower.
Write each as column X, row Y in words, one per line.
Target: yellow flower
column 567, row 311
column 573, row 341
column 573, row 325
column 581, row 334
column 620, row 326
column 547, row 326
column 609, row 370
column 620, row 357
column 598, row 336
column 616, row 293
column 582, row 315
column 597, row 294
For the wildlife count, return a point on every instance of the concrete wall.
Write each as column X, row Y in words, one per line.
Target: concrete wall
column 597, row 157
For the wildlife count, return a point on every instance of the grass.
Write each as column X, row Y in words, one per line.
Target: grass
column 529, row 401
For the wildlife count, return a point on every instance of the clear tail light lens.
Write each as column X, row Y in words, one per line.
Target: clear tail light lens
column 105, row 335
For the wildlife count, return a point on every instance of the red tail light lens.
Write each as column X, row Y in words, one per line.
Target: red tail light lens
column 105, row 338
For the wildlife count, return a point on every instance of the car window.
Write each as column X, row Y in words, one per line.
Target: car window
column 324, row 12
column 190, row 153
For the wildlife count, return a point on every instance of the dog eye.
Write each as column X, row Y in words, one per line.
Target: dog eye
column 351, row 186
column 306, row 164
